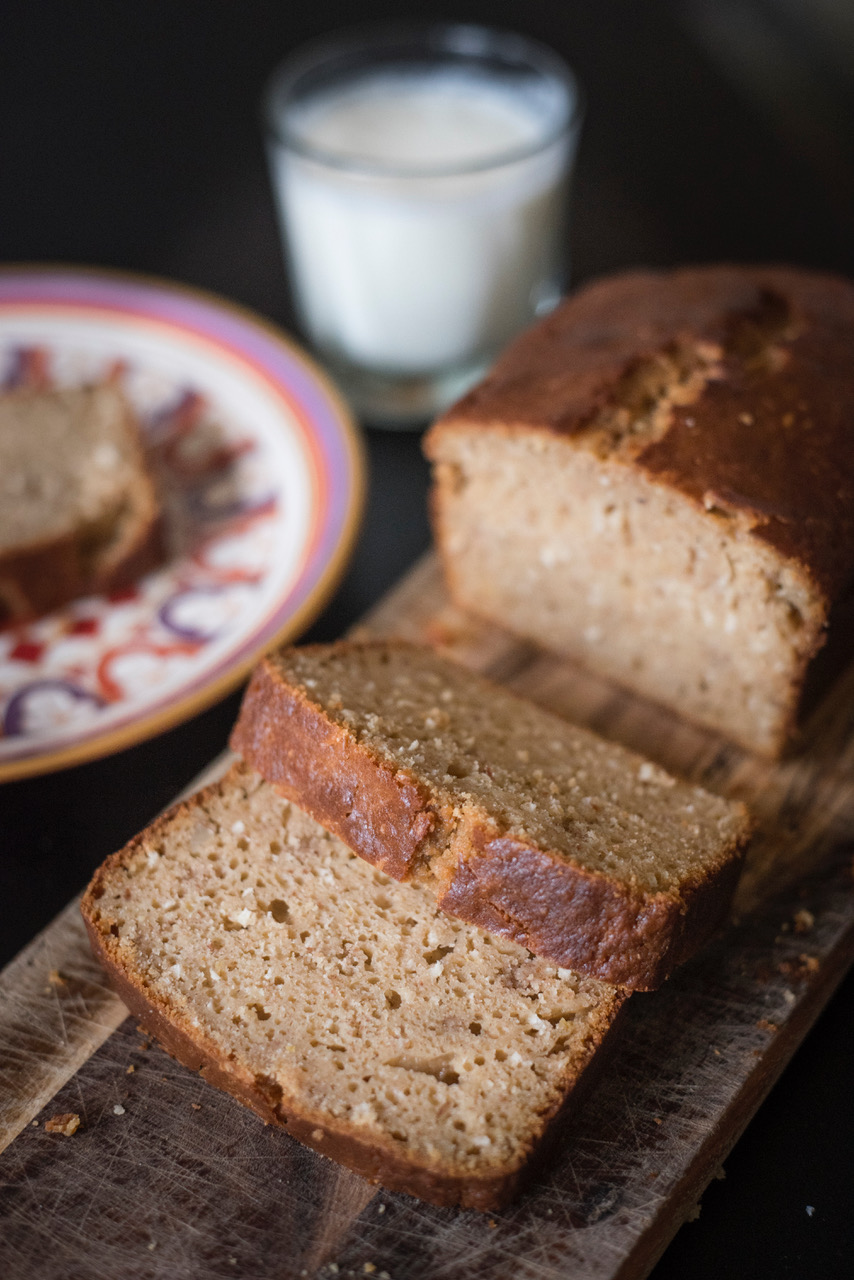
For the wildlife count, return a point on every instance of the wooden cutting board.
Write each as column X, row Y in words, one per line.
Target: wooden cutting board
column 167, row 1178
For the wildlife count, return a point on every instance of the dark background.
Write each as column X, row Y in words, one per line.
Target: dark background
column 715, row 129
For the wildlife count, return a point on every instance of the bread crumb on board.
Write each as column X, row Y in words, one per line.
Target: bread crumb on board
column 804, row 921
column 66, row 1123
column 799, row 968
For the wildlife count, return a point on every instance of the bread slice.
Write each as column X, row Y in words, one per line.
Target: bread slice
column 521, row 823
column 421, row 1052
column 658, row 482
column 79, row 511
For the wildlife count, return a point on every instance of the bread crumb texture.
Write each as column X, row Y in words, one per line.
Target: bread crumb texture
column 297, row 965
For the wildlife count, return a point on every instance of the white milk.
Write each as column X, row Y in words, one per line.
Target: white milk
column 416, row 240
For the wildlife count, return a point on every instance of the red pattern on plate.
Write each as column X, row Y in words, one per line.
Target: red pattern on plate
column 263, row 478
column 211, row 505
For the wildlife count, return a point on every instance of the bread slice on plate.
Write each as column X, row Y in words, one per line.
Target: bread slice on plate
column 657, row 481
column 347, row 1008
column 518, row 821
column 79, row 511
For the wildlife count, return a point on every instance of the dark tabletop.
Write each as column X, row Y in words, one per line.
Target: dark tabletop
column 715, row 129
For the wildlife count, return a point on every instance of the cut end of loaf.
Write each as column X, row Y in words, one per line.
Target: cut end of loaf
column 614, row 570
column 656, row 481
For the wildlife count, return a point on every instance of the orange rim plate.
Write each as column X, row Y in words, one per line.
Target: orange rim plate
column 262, row 471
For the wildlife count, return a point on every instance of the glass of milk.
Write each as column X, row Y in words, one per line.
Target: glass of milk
column 420, row 176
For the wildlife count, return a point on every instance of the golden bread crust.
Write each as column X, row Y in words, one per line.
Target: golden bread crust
column 556, row 906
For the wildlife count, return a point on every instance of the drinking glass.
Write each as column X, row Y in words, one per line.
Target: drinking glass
column 421, row 177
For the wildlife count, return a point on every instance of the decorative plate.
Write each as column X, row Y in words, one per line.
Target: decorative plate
column 263, row 479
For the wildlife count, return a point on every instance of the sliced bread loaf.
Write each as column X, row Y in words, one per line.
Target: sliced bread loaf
column 521, row 823
column 79, row 511
column 414, row 1048
column 657, row 481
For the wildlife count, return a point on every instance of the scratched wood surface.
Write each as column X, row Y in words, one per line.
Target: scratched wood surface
column 167, row 1178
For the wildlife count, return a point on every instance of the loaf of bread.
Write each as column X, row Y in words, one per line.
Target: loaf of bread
column 419, row 1051
column 519, row 822
column 658, row 481
column 79, row 511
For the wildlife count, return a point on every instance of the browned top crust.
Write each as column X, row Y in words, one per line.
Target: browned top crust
column 770, row 433
column 488, row 862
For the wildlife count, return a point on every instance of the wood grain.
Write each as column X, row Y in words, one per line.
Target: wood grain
column 183, row 1182
column 56, row 1008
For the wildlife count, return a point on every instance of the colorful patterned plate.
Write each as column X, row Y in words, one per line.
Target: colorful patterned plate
column 263, row 477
